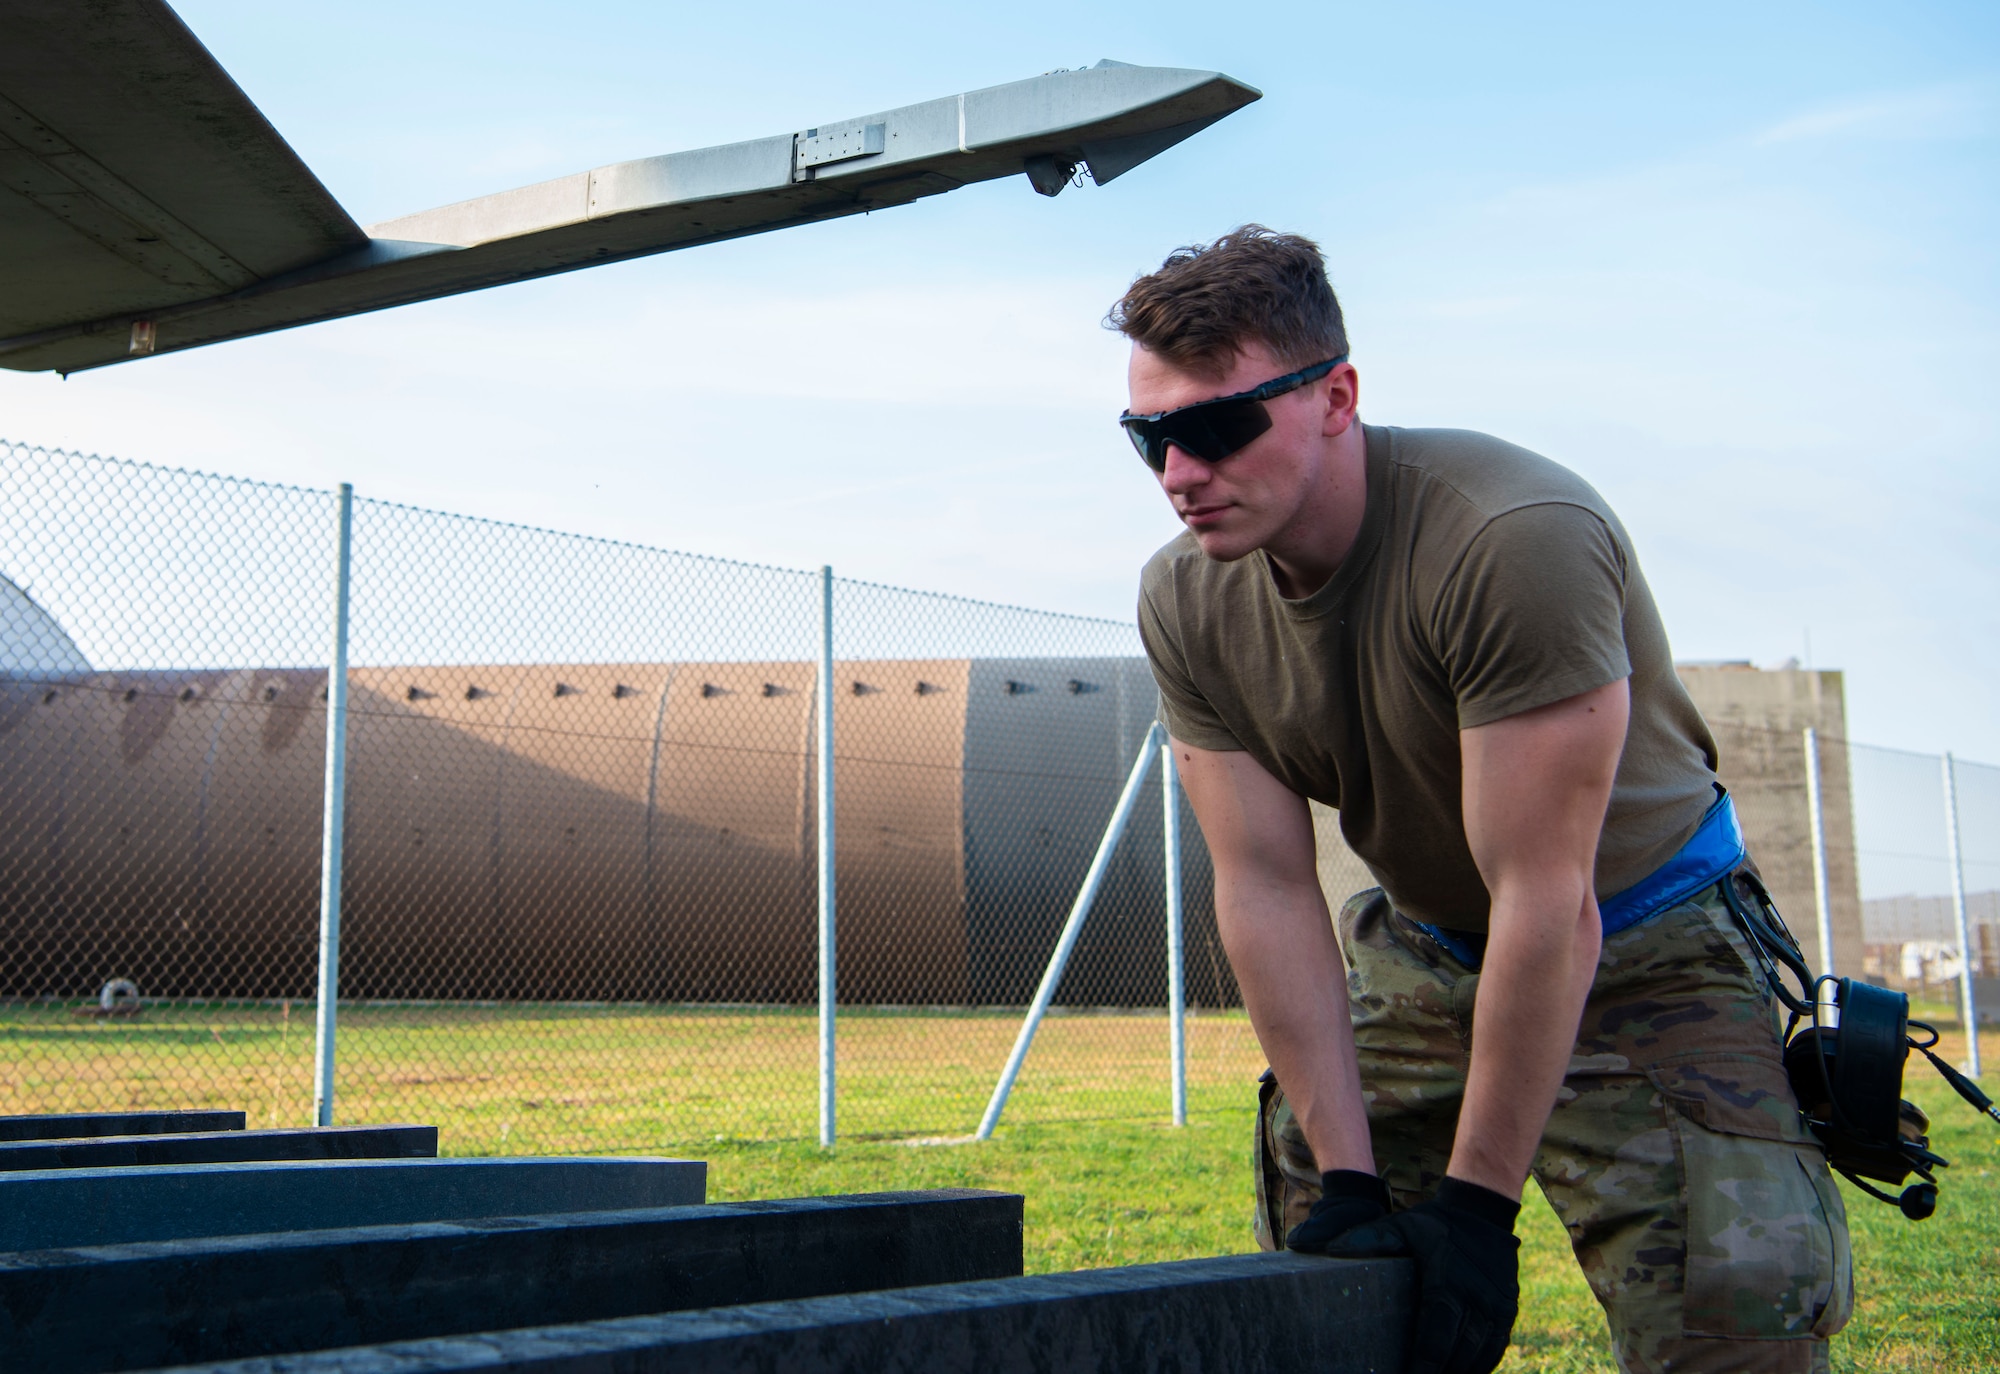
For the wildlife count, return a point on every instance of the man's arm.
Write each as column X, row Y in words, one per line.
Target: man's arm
column 1536, row 786
column 1281, row 945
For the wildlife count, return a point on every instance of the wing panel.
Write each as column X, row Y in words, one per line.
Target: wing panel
column 71, row 274
column 652, row 205
column 118, row 126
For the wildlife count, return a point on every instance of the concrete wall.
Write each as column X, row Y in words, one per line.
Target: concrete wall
column 1759, row 718
column 1341, row 872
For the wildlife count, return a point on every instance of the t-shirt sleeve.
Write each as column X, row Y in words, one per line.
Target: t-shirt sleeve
column 1534, row 613
column 1186, row 713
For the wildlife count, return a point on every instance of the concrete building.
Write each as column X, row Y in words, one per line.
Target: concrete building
column 1760, row 717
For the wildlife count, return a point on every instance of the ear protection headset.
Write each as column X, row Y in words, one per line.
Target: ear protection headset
column 1846, row 1067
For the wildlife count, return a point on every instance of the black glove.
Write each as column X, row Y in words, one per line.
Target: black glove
column 1348, row 1198
column 1468, row 1274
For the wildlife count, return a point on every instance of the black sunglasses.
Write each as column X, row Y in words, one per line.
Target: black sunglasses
column 1212, row 430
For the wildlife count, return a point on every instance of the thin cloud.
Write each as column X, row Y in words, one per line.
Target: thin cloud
column 1938, row 112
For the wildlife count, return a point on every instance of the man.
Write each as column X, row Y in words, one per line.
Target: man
column 1448, row 639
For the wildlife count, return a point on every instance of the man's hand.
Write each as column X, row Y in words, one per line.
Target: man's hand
column 1348, row 1198
column 1468, row 1281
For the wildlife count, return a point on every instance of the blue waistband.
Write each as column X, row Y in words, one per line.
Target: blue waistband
column 1711, row 853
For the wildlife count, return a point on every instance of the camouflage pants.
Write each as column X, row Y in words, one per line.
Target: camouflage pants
column 1698, row 1207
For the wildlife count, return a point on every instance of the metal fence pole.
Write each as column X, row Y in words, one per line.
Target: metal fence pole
column 1176, row 974
column 827, row 947
column 1968, row 1009
column 1073, row 927
column 333, row 832
column 1816, row 819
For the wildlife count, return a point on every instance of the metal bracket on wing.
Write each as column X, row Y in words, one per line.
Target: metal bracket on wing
column 830, row 143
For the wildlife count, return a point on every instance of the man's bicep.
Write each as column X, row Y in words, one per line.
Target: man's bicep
column 1257, row 828
column 1536, row 784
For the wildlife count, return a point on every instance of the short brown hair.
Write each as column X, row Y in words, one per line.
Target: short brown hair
column 1253, row 283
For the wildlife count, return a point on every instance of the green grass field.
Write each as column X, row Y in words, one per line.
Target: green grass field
column 543, row 1078
column 1086, row 1138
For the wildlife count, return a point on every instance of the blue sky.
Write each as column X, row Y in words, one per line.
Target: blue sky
column 1734, row 264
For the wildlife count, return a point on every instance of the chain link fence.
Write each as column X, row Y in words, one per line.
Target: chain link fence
column 1927, row 829
column 580, row 864
column 580, row 875
column 159, row 818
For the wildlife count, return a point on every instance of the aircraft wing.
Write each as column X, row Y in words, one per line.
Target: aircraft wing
column 146, row 206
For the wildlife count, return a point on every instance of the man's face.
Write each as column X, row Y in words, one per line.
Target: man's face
column 1241, row 503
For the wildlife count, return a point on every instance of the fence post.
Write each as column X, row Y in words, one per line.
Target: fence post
column 1967, row 1007
column 827, row 946
column 1816, row 819
column 1100, row 864
column 1176, row 973
column 333, row 837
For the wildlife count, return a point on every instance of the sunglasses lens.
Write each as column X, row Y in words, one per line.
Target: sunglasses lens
column 1213, row 432
column 1210, row 431
column 1152, row 450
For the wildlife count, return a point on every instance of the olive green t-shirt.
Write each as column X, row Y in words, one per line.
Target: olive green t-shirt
column 1485, row 581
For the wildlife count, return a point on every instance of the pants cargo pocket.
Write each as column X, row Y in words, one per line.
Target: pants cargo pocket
column 1287, row 1177
column 1766, row 1236
column 1813, row 1165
